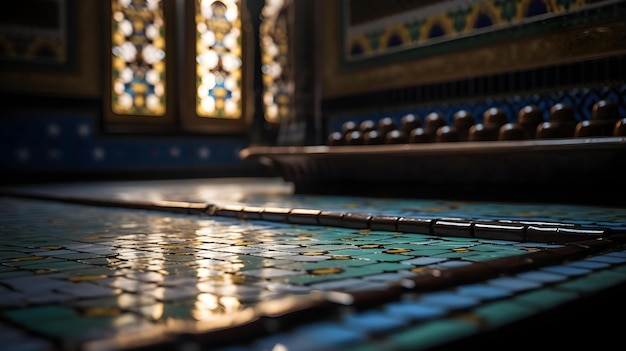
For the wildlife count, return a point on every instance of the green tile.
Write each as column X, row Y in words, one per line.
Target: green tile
column 177, row 312
column 98, row 261
column 12, row 255
column 61, row 265
column 488, row 256
column 323, row 264
column 499, row 248
column 372, row 345
column 4, row 269
column 463, row 255
column 77, row 327
column 354, row 272
column 77, row 256
column 503, row 312
column 306, row 279
column 620, row 269
column 594, row 282
column 15, row 274
column 384, row 257
column 429, row 251
column 30, row 316
column 357, row 252
column 389, row 267
column 546, row 298
column 454, row 244
column 34, row 262
column 420, row 237
column 431, row 334
column 410, row 246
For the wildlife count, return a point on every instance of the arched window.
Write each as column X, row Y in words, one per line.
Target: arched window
column 178, row 65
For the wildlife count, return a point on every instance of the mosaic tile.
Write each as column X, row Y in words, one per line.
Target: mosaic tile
column 585, row 264
column 371, row 322
column 567, row 270
column 451, row 264
column 430, row 334
column 594, row 282
column 12, row 299
column 449, row 300
column 321, row 265
column 110, row 271
column 483, row 291
column 514, row 284
column 424, row 261
column 15, row 274
column 546, row 298
column 542, row 277
column 389, row 266
column 392, row 275
column 270, row 273
column 173, row 293
column 612, row 258
column 39, row 314
column 34, row 261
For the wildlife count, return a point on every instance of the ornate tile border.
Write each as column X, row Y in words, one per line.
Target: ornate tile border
column 458, row 24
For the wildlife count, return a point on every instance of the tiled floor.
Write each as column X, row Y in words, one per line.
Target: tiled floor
column 245, row 264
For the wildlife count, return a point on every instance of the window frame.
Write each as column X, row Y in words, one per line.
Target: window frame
column 180, row 92
column 190, row 121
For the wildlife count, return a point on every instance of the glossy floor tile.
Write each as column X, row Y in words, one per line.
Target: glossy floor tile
column 220, row 265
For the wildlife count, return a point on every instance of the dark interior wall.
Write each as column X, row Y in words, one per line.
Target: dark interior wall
column 579, row 84
column 574, row 55
column 66, row 142
column 51, row 121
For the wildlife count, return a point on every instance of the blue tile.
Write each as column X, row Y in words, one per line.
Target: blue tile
column 372, row 322
column 589, row 264
column 430, row 334
column 327, row 334
column 449, row 299
column 514, row 284
column 611, row 258
column 414, row 310
column 566, row 270
column 483, row 291
column 542, row 276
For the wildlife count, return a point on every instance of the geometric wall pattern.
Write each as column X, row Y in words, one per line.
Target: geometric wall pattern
column 580, row 99
column 70, row 142
column 218, row 50
column 422, row 23
column 138, row 58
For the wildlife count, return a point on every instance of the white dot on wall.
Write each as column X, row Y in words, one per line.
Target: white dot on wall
column 54, row 154
column 204, row 153
column 98, row 154
column 54, row 130
column 22, row 154
column 174, row 152
column 83, row 130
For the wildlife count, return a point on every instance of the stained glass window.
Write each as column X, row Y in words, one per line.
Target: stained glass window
column 218, row 59
column 275, row 63
column 192, row 62
column 138, row 57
